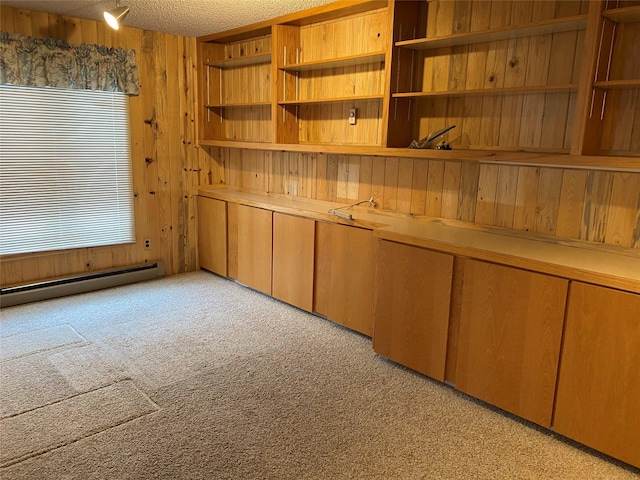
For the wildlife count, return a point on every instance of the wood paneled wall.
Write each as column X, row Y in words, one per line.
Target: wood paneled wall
column 162, row 145
column 592, row 205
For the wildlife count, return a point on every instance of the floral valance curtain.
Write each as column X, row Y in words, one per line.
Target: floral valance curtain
column 45, row 62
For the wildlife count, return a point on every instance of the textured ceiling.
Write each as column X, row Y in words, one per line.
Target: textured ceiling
column 191, row 18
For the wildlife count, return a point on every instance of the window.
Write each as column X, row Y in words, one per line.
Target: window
column 65, row 169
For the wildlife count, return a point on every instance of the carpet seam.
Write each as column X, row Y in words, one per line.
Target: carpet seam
column 153, row 405
column 83, row 342
column 91, row 390
column 22, row 458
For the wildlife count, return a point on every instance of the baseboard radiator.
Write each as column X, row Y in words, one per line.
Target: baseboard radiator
column 82, row 283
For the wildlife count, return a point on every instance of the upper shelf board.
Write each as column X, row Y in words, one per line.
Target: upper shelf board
column 242, row 61
column 556, row 25
column 623, row 15
column 488, row 91
column 330, row 100
column 617, row 84
column 239, row 105
column 349, row 61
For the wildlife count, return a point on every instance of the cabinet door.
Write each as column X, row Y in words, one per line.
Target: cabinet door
column 253, row 237
column 598, row 401
column 212, row 235
column 293, row 250
column 345, row 275
column 510, row 332
column 413, row 290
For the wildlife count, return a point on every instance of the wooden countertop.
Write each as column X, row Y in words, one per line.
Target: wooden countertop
column 577, row 260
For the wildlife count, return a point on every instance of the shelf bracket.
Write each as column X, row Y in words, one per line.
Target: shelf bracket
column 208, row 95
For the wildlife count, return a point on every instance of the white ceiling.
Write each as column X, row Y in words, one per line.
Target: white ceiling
column 191, row 18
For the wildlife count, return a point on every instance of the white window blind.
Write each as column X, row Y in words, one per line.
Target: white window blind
column 65, row 169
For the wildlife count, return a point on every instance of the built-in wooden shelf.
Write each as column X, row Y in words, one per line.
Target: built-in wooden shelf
column 242, row 61
column 580, row 162
column 617, row 84
column 239, row 105
column 556, row 25
column 488, row 91
column 623, row 15
column 331, row 100
column 310, row 98
column 349, row 61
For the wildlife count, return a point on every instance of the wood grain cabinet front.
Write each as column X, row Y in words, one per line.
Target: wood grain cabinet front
column 345, row 275
column 510, row 334
column 250, row 244
column 598, row 399
column 413, row 291
column 212, row 235
column 293, row 258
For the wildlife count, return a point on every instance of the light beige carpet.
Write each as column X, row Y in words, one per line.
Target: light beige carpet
column 195, row 377
column 74, row 418
column 20, row 345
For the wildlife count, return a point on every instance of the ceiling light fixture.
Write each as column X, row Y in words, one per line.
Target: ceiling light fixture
column 115, row 16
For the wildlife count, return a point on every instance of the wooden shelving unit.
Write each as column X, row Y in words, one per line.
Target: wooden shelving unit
column 500, row 73
column 611, row 82
column 327, row 66
column 545, row 95
column 535, row 76
column 229, row 113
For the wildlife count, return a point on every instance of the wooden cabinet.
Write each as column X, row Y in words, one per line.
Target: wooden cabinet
column 413, row 289
column 598, row 399
column 498, row 330
column 509, row 342
column 345, row 275
column 293, row 259
column 212, row 235
column 250, row 244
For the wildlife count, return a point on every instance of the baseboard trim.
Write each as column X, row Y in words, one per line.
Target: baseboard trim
column 82, row 283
